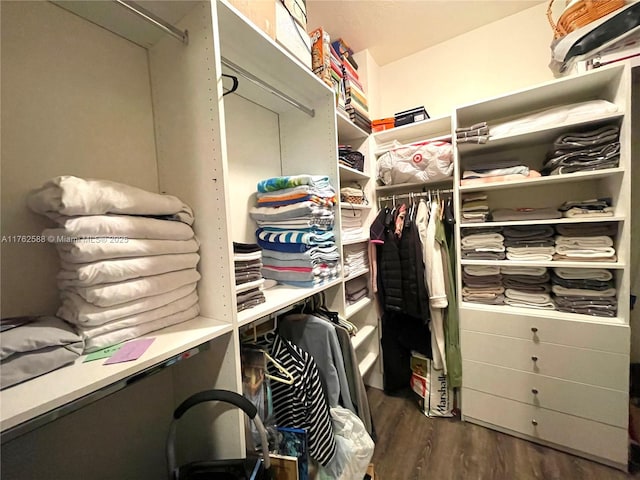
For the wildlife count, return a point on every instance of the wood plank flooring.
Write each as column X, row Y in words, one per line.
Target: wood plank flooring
column 411, row 446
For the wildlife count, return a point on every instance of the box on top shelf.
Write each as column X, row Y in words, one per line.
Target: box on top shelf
column 321, row 55
column 382, row 124
column 344, row 51
column 417, row 114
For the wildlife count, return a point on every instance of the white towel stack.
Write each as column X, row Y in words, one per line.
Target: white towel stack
column 352, row 226
column 128, row 258
column 355, row 258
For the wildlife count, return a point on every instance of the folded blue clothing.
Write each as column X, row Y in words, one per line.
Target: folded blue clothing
column 280, row 183
column 284, row 247
column 295, row 236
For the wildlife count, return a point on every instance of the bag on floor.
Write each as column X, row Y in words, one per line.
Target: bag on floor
column 435, row 397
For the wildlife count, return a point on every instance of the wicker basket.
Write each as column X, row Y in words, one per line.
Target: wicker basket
column 580, row 14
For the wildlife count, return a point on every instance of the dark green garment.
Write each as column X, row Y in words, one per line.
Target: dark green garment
column 451, row 322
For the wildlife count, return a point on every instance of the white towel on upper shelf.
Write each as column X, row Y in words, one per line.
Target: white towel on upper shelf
column 118, row 336
column 109, row 294
column 584, row 242
column 77, row 310
column 103, row 248
column 69, row 195
column 128, row 226
column 584, row 273
column 119, row 270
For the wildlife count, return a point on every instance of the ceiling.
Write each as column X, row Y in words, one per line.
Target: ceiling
column 393, row 29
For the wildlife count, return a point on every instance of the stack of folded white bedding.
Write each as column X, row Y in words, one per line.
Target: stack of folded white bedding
column 128, row 258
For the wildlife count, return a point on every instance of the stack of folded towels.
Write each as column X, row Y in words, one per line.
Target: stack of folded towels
column 128, row 258
column 584, row 151
column 33, row 346
column 588, row 291
column 483, row 244
column 475, row 208
column 593, row 208
column 352, row 228
column 477, row 133
column 356, row 289
column 525, row 213
column 295, row 217
column 355, row 258
column 527, row 287
column 529, row 243
column 492, row 171
column 247, row 259
column 482, row 284
column 588, row 242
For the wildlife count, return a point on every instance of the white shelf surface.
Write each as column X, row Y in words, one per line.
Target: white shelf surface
column 355, row 241
column 545, row 135
column 363, row 334
column 367, row 362
column 508, row 309
column 53, row 390
column 348, row 173
column 279, row 297
column 554, row 221
column 415, row 186
column 354, row 308
column 356, row 274
column 347, row 130
column 426, row 130
column 553, row 263
column 550, row 179
column 354, row 206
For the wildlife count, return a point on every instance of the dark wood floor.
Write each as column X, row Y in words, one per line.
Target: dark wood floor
column 411, row 446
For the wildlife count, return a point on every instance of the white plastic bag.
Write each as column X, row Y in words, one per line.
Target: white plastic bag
column 416, row 163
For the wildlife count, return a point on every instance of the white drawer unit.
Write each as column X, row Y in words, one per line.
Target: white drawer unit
column 605, row 443
column 586, row 401
column 540, row 328
column 592, row 367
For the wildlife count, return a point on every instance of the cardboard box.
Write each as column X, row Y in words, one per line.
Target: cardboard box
column 321, row 55
column 272, row 18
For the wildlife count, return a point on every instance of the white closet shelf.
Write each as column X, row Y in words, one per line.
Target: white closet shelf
column 354, row 308
column 554, row 221
column 401, row 187
column 355, row 241
column 356, row 274
column 348, row 173
column 367, row 362
column 547, row 180
column 553, row 263
column 347, row 130
column 279, row 297
column 247, row 46
column 508, row 309
column 543, row 136
column 38, row 396
column 354, row 206
column 363, row 334
column 431, row 129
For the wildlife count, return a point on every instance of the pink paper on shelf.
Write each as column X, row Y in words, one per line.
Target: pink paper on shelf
column 130, row 351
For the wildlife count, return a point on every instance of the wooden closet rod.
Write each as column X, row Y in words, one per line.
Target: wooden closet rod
column 262, row 84
column 133, row 7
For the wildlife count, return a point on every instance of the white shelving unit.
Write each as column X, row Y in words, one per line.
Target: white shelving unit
column 150, row 113
column 541, row 374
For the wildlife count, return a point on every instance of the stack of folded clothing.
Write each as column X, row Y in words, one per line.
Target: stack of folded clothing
column 477, row 133
column 337, row 79
column 497, row 171
column 247, row 259
column 577, row 152
column 295, row 229
column 588, row 242
column 532, row 243
column 527, row 287
column 594, row 208
column 475, row 208
column 482, row 284
column 524, row 213
column 33, row 346
column 356, row 103
column 355, row 258
column 128, row 258
column 352, row 228
column 589, row 291
column 356, row 289
column 483, row 244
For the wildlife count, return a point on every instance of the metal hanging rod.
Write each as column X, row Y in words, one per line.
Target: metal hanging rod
column 262, row 84
column 415, row 194
column 183, row 36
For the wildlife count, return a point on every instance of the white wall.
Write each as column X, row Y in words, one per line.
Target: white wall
column 505, row 55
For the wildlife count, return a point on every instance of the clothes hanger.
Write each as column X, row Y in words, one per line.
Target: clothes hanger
column 288, row 377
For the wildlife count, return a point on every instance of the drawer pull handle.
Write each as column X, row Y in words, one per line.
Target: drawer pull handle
column 534, row 329
column 534, row 422
column 534, row 358
column 534, row 391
